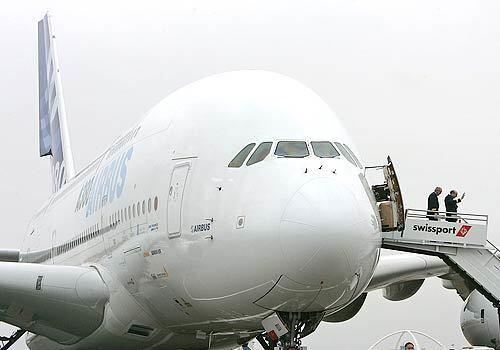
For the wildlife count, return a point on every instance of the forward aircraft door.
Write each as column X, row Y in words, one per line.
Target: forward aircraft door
column 175, row 195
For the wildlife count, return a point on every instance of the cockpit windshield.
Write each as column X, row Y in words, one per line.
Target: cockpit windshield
column 260, row 153
column 291, row 149
column 353, row 156
column 324, row 149
column 345, row 153
column 239, row 159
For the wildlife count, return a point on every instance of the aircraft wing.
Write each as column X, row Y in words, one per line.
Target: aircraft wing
column 394, row 271
column 399, row 276
column 63, row 303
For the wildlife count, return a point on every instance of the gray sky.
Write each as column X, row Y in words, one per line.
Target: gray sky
column 416, row 79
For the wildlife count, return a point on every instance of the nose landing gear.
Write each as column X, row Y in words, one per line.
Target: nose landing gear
column 299, row 325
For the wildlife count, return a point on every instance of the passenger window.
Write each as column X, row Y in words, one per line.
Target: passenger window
column 324, row 149
column 353, row 156
column 291, row 149
column 260, row 153
column 345, row 153
column 241, row 156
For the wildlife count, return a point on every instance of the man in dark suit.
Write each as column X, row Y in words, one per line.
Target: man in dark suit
column 433, row 204
column 451, row 202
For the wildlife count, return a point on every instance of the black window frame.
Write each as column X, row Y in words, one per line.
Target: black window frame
column 331, row 144
column 241, row 152
column 251, row 161
column 345, row 153
column 288, row 156
column 353, row 155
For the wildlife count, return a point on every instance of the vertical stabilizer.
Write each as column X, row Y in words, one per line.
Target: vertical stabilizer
column 53, row 130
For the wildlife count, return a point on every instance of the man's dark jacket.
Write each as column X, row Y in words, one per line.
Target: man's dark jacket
column 451, row 204
column 433, row 202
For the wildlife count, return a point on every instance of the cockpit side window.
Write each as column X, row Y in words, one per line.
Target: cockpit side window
column 345, row 153
column 324, row 149
column 353, row 156
column 239, row 159
column 260, row 153
column 291, row 149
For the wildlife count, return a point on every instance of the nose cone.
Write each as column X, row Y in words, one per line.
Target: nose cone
column 328, row 237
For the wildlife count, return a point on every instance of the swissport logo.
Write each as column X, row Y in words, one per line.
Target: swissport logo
column 462, row 232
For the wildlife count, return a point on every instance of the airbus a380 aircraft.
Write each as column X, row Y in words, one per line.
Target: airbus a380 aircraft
column 236, row 198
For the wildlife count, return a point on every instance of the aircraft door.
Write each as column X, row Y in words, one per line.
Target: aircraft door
column 175, row 195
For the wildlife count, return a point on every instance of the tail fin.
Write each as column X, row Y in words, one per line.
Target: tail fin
column 53, row 131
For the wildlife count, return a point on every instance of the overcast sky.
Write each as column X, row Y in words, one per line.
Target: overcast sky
column 416, row 79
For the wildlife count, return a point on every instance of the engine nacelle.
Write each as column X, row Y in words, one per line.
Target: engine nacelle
column 479, row 321
column 402, row 290
column 348, row 312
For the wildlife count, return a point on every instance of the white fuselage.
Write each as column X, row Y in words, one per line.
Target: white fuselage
column 200, row 246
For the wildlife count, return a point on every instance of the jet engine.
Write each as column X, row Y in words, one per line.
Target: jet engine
column 402, row 290
column 348, row 312
column 480, row 321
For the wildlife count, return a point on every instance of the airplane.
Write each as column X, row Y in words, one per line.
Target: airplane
column 480, row 320
column 238, row 199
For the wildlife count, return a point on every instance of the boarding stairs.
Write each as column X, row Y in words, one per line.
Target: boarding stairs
column 460, row 240
column 463, row 245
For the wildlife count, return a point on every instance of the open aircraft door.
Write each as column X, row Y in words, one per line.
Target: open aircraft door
column 389, row 198
column 175, row 196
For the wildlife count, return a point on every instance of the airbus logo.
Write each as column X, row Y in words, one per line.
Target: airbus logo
column 105, row 186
